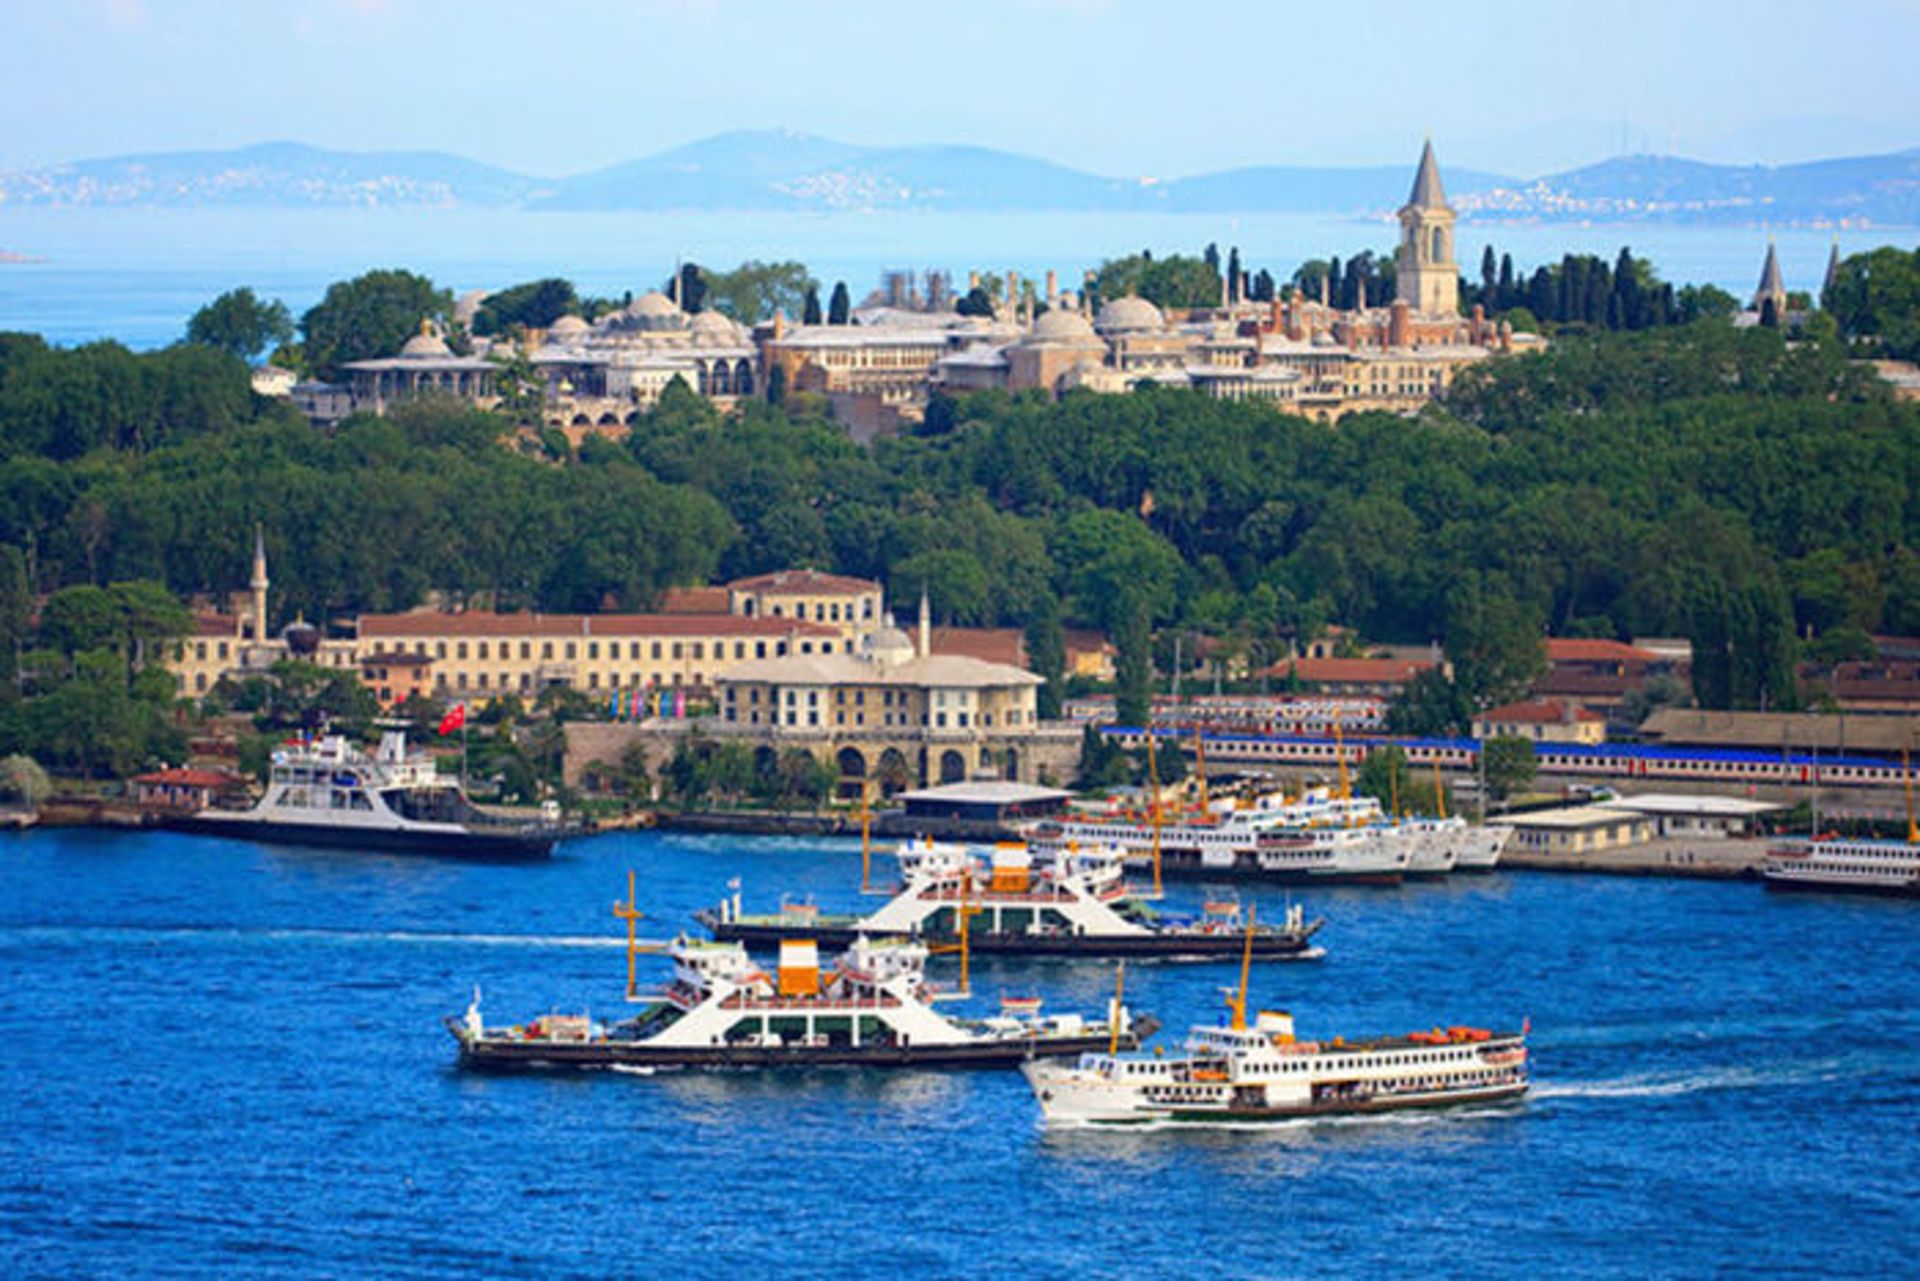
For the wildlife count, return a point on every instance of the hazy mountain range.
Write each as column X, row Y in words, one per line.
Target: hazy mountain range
column 781, row 171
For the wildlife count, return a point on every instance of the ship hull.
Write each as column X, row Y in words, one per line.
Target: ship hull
column 1309, row 1111
column 1129, row 946
column 492, row 846
column 1799, row 885
column 525, row 1056
column 1247, row 867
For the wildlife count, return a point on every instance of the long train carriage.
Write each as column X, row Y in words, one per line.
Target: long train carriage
column 1628, row 761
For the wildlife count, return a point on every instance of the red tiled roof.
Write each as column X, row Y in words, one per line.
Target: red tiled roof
column 1396, row 671
column 1085, row 640
column 1571, row 649
column 1545, row 711
column 803, row 582
column 585, row 626
column 694, row 600
column 989, row 644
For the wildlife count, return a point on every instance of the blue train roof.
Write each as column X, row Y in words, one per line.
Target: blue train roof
column 1593, row 751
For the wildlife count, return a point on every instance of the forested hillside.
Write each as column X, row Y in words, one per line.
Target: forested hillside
column 1696, row 480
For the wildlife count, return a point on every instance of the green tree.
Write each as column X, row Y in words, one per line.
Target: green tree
column 369, row 316
column 533, row 305
column 810, row 307
column 1509, row 765
column 840, row 306
column 754, row 291
column 1133, row 665
column 1174, row 281
column 240, row 323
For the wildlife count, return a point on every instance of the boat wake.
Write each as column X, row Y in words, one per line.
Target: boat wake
column 221, row 934
column 1666, row 1085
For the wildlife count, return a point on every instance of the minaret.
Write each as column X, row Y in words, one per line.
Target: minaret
column 926, row 625
column 259, row 586
column 1426, row 275
column 1771, row 288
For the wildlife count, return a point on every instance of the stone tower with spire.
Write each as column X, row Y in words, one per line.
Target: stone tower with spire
column 1426, row 274
column 259, row 585
column 1772, row 289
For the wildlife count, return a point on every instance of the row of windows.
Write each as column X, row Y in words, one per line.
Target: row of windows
column 570, row 650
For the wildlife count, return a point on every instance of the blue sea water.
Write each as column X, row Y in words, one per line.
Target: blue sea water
column 138, row 274
column 218, row 1057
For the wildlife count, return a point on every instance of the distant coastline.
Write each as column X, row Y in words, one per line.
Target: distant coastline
column 8, row 256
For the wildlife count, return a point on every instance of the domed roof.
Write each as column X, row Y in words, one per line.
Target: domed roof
column 716, row 327
column 1128, row 314
column 425, row 347
column 1061, row 326
column 653, row 305
column 888, row 644
column 568, row 326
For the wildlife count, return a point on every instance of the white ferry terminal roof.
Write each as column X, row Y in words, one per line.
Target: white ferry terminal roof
column 986, row 793
column 1572, row 816
column 1678, row 803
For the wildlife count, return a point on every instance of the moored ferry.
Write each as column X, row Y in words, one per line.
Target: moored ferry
column 1846, row 865
column 873, row 1008
column 1071, row 902
column 325, row 791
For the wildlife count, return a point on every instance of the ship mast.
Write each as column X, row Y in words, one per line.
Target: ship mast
column 630, row 913
column 1439, row 790
column 1906, row 782
column 1113, row 1017
column 1200, row 766
column 866, row 839
column 1246, row 968
column 1153, row 782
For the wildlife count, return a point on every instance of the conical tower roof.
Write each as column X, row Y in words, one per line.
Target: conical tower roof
column 1770, row 286
column 1427, row 192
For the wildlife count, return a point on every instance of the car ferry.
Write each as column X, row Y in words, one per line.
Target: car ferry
column 1236, row 1073
column 873, row 1008
column 325, row 791
column 1073, row 902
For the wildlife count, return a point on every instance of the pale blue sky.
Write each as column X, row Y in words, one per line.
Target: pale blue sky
column 1125, row 87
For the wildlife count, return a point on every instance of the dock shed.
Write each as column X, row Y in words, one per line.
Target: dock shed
column 995, row 802
column 1696, row 817
column 1578, row 829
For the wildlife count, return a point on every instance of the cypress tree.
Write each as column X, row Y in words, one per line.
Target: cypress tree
column 810, row 310
column 1489, row 280
column 1234, row 290
column 840, row 306
column 1506, row 297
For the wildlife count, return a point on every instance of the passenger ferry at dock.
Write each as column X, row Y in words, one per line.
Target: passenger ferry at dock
column 1845, row 865
column 1318, row 838
column 874, row 1008
column 325, row 791
column 1071, row 902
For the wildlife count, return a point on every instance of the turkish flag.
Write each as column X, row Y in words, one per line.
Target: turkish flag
column 453, row 720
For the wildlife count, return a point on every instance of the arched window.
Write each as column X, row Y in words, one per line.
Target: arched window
column 1439, row 244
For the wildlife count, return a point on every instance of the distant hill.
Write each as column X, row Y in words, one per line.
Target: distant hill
column 777, row 170
column 1879, row 189
column 282, row 174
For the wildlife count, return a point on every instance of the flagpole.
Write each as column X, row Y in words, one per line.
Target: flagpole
column 463, row 750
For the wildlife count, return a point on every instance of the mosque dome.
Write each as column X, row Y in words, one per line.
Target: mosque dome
column 1062, row 327
column 1129, row 314
column 714, row 327
column 568, row 326
column 653, row 305
column 887, row 644
column 424, row 346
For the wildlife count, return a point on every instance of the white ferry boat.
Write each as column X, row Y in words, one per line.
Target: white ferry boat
column 1072, row 902
column 1318, row 838
column 873, row 1008
column 1236, row 1073
column 327, row 792
column 1239, row 1074
column 1844, row 864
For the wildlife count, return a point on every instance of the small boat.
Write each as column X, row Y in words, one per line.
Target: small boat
column 1074, row 901
column 872, row 1008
